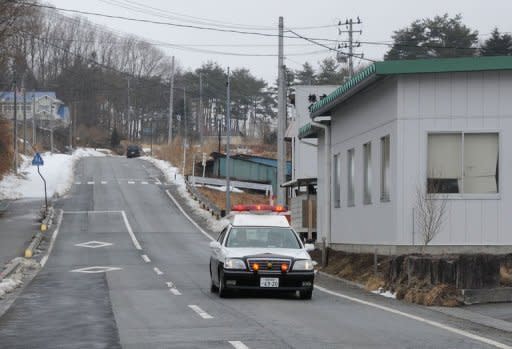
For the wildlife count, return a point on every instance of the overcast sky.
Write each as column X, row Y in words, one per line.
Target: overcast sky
column 380, row 19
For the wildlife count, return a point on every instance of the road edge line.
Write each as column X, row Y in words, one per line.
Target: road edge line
column 130, row 231
column 52, row 241
column 417, row 318
column 188, row 217
column 238, row 345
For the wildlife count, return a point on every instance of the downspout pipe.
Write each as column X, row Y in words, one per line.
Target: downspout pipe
column 327, row 184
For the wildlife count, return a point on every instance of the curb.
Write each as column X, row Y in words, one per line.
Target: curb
column 29, row 251
column 10, row 269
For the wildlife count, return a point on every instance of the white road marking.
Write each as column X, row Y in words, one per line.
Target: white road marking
column 87, row 212
column 188, row 217
column 157, row 181
column 130, row 231
column 78, row 183
column 170, row 284
column 175, row 292
column 238, row 345
column 131, row 182
column 103, row 182
column 157, row 271
column 143, row 182
column 52, row 242
column 90, row 183
column 145, row 258
column 200, row 312
column 94, row 270
column 94, row 244
column 418, row 318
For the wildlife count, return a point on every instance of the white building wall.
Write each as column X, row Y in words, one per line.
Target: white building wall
column 364, row 118
column 304, row 154
column 470, row 102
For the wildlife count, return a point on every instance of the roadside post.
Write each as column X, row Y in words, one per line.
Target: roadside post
column 38, row 161
column 203, row 162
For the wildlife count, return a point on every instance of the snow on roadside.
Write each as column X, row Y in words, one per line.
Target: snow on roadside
column 387, row 294
column 173, row 176
column 57, row 170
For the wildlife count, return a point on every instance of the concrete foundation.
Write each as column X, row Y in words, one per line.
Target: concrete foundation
column 393, row 250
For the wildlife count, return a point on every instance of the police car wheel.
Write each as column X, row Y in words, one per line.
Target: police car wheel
column 223, row 293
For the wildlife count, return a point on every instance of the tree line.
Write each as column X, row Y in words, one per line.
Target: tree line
column 119, row 82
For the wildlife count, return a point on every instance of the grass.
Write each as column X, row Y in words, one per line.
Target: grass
column 6, row 147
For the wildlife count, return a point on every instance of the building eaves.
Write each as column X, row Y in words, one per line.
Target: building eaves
column 420, row 66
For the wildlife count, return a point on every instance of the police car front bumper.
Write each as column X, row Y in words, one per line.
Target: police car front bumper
column 289, row 281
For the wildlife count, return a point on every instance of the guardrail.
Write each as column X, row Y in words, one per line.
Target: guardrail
column 204, row 202
column 267, row 188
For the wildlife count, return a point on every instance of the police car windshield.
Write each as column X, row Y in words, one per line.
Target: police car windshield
column 262, row 237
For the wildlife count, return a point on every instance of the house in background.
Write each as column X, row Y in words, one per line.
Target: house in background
column 43, row 106
column 442, row 126
column 302, row 186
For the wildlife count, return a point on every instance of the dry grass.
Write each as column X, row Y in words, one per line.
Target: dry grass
column 6, row 147
column 506, row 275
column 219, row 197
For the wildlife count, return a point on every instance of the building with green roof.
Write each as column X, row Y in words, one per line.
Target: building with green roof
column 405, row 138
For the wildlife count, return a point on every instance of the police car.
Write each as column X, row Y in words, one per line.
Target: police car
column 259, row 250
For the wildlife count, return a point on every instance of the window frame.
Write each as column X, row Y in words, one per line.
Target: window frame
column 337, row 180
column 351, row 168
column 385, row 196
column 367, row 173
column 466, row 196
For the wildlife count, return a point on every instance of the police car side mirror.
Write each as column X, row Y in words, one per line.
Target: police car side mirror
column 214, row 244
column 309, row 247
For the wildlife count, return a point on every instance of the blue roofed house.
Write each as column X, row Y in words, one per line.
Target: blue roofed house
column 401, row 133
column 40, row 105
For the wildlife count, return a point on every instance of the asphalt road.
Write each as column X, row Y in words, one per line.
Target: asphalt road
column 156, row 292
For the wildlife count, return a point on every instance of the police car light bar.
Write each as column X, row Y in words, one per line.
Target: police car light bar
column 259, row 208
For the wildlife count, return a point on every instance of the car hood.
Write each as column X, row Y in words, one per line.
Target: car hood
column 264, row 252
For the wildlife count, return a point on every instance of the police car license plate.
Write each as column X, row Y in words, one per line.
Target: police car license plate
column 269, row 282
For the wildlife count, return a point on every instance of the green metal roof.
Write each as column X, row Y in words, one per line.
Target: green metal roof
column 308, row 131
column 419, row 66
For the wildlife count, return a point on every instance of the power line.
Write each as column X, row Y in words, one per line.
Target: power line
column 189, row 26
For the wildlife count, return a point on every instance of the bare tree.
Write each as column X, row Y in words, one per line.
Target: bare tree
column 430, row 210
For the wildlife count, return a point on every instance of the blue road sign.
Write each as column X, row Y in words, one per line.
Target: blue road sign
column 37, row 160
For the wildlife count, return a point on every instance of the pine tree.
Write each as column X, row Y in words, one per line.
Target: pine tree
column 497, row 45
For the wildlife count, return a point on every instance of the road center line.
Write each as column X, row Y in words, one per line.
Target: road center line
column 130, row 231
column 145, row 258
column 103, row 182
column 131, row 182
column 188, row 217
column 238, row 345
column 90, row 183
column 157, row 271
column 418, row 318
column 200, row 312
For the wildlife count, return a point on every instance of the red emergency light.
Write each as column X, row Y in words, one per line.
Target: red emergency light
column 259, row 208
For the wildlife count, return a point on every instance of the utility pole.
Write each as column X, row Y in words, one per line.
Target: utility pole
column 15, row 163
column 349, row 23
column 281, row 119
column 171, row 103
column 228, row 139
column 24, row 118
column 34, row 130
column 129, row 111
column 200, row 124
column 185, row 141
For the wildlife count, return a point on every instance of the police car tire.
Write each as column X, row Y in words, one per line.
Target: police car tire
column 306, row 294
column 223, row 293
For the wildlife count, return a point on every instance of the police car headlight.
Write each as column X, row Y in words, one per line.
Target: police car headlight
column 234, row 263
column 303, row 265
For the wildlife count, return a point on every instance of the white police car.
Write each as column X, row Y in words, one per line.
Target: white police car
column 260, row 252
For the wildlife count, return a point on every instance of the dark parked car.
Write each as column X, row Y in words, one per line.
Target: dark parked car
column 133, row 151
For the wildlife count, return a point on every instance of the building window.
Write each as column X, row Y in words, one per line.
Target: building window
column 463, row 163
column 337, row 180
column 385, row 175
column 367, row 151
column 351, row 177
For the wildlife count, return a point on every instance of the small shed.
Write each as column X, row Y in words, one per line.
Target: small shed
column 251, row 168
